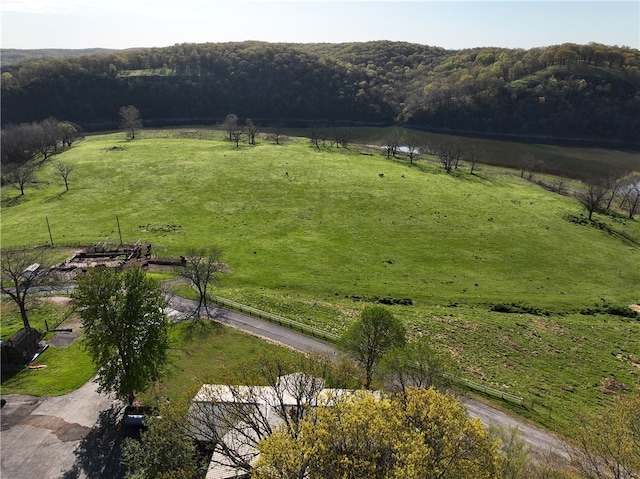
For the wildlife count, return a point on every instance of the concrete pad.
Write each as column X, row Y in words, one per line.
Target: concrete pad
column 51, row 438
column 29, row 451
column 82, row 406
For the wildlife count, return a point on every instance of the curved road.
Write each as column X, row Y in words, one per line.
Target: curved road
column 73, row 436
column 542, row 443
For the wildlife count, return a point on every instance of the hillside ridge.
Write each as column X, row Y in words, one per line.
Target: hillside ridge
column 585, row 92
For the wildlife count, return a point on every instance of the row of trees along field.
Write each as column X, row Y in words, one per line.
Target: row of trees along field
column 580, row 91
column 25, row 147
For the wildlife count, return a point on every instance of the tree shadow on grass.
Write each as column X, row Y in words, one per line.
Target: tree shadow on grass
column 55, row 197
column 99, row 454
column 12, row 201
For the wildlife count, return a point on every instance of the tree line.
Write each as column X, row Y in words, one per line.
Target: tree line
column 578, row 91
column 596, row 194
column 25, row 147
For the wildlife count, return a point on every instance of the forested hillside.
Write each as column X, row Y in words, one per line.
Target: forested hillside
column 589, row 92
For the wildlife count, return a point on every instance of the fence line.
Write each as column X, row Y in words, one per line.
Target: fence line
column 485, row 389
column 282, row 321
column 275, row 318
column 68, row 244
column 333, row 338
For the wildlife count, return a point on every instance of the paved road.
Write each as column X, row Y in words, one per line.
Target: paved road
column 257, row 327
column 541, row 442
column 77, row 436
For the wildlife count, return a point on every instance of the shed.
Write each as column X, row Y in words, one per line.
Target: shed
column 21, row 347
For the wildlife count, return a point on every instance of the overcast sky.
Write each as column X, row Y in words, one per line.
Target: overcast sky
column 448, row 24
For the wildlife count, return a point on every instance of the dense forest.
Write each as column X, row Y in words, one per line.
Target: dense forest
column 587, row 92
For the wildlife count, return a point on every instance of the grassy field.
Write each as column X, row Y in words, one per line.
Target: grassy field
column 212, row 355
column 567, row 161
column 314, row 235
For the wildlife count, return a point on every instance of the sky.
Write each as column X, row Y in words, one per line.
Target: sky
column 453, row 24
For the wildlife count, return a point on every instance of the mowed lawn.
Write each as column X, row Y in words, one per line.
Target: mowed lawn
column 314, row 234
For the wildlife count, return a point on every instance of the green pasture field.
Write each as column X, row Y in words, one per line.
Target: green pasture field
column 315, row 235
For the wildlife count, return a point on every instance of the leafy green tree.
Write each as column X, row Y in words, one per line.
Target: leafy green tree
column 164, row 450
column 364, row 436
column 125, row 328
column 69, row 132
column 130, row 120
column 514, row 450
column 369, row 338
column 415, row 364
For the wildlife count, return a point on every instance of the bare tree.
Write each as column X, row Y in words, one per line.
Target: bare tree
column 63, row 171
column 475, row 155
column 51, row 135
column 276, row 135
column 230, row 124
column 202, row 268
column 630, row 193
column 634, row 200
column 251, row 131
column 593, row 196
column 130, row 120
column 449, row 155
column 559, row 186
column 234, row 130
column 233, row 419
column 45, row 136
column 614, row 185
column 413, row 147
column 392, row 143
column 529, row 165
column 21, row 175
column 17, row 146
column 22, row 272
column 315, row 135
column 341, row 137
column 24, row 142
column 236, row 135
